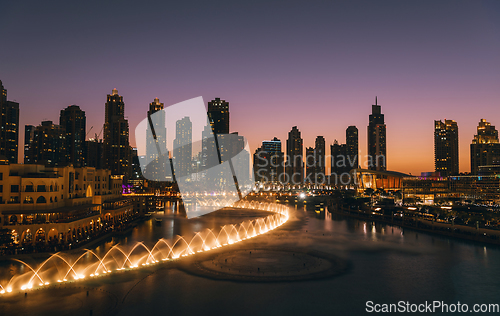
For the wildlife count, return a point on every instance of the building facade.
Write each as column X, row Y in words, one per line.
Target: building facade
column 294, row 159
column 352, row 148
column 446, row 147
column 116, row 135
column 183, row 147
column 485, row 148
column 218, row 114
column 268, row 161
column 59, row 205
column 319, row 160
column 377, row 153
column 73, row 122
column 9, row 127
column 46, row 145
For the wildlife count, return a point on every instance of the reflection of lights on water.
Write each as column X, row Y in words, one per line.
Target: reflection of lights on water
column 201, row 241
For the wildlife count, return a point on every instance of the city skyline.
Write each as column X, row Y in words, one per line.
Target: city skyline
column 363, row 160
column 320, row 74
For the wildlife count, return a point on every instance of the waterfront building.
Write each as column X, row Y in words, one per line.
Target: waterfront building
column 60, row 205
column 485, row 147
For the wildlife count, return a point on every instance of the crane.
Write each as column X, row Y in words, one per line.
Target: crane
column 89, row 131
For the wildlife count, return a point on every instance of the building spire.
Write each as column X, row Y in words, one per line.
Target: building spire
column 376, row 100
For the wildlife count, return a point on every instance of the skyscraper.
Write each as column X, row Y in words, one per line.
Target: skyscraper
column 310, row 165
column 319, row 160
column 48, row 145
column 276, row 158
column 218, row 114
column 183, row 147
column 157, row 164
column 377, row 156
column 485, row 148
column 209, row 152
column 29, row 135
column 339, row 163
column 446, row 147
column 94, row 149
column 116, row 133
column 73, row 121
column 9, row 127
column 352, row 149
column 294, row 159
column 268, row 161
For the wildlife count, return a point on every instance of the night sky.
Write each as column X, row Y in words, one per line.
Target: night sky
column 317, row 65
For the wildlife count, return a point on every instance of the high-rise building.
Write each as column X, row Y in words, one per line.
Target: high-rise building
column 209, row 152
column 47, row 146
column 9, row 127
column 29, row 134
column 183, row 147
column 218, row 114
column 157, row 164
column 339, row 163
column 310, row 165
column 485, row 148
column 268, row 161
column 160, row 131
column 94, row 149
column 136, row 175
column 73, row 121
column 377, row 155
column 319, row 160
column 352, row 149
column 294, row 159
column 276, row 158
column 446, row 147
column 116, row 136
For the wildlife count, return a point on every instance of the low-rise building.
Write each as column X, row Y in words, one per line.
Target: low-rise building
column 59, row 205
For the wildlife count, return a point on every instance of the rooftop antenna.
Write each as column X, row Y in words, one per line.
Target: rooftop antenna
column 376, row 100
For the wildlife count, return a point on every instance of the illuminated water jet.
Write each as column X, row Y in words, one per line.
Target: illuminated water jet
column 163, row 251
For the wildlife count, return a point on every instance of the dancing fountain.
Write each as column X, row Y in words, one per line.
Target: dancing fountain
column 59, row 269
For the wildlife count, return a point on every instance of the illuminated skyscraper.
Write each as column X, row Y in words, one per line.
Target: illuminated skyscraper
column 377, row 155
column 29, row 134
column 116, row 135
column 183, row 147
column 218, row 114
column 48, row 145
column 155, row 169
column 446, row 147
column 73, row 121
column 485, row 148
column 294, row 152
column 9, row 127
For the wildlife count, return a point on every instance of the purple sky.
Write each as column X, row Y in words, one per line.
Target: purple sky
column 317, row 65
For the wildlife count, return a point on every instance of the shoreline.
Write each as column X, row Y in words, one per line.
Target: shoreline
column 437, row 228
column 89, row 244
